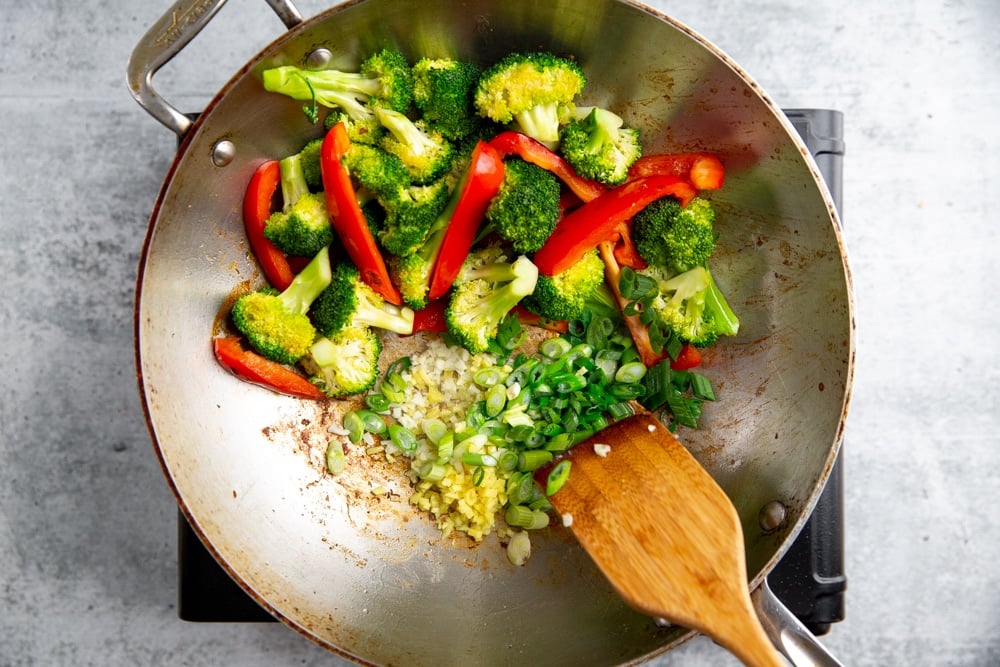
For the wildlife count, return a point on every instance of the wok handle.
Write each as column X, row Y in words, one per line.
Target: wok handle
column 789, row 636
column 165, row 39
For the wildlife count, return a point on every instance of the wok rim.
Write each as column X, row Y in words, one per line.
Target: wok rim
column 776, row 113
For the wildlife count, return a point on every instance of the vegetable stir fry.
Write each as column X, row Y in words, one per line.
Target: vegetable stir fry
column 473, row 202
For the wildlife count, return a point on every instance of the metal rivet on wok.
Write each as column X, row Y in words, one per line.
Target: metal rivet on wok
column 223, row 153
column 319, row 58
column 772, row 516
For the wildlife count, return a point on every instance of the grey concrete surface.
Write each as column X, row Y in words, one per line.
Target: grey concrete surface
column 87, row 525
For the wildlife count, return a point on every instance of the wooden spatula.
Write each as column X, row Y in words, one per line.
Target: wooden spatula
column 664, row 534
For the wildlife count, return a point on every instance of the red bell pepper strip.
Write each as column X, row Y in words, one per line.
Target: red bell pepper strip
column 687, row 358
column 256, row 210
column 639, row 331
column 253, row 368
column 432, row 317
column 529, row 150
column 527, row 317
column 597, row 221
column 625, row 251
column 346, row 216
column 703, row 170
column 480, row 184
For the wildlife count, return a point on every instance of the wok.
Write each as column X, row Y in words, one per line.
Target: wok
column 362, row 574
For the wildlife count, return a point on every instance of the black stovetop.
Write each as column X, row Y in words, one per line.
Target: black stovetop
column 809, row 580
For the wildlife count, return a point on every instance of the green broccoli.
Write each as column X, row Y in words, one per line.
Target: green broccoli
column 395, row 79
column 379, row 172
column 526, row 209
column 425, row 152
column 442, row 92
column 598, row 147
column 362, row 130
column 374, row 215
column 410, row 214
column 348, row 302
column 277, row 325
column 412, row 274
column 309, row 158
column 565, row 295
column 383, row 80
column 675, row 237
column 487, row 288
column 533, row 90
column 303, row 226
column 344, row 364
column 691, row 305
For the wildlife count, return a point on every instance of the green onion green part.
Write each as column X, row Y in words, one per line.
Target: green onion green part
column 557, row 477
column 355, row 426
column 335, row 460
column 403, row 438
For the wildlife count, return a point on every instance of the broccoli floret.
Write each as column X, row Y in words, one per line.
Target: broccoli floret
column 425, row 152
column 309, row 159
column 410, row 214
column 412, row 274
column 344, row 364
column 442, row 92
column 675, row 237
column 348, row 302
column 487, row 288
column 526, row 208
column 363, row 130
column 276, row 324
column 691, row 305
column 395, row 79
column 565, row 295
column 533, row 90
column 374, row 215
column 384, row 79
column 303, row 226
column 379, row 172
column 598, row 147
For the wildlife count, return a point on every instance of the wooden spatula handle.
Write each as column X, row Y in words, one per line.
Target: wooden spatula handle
column 748, row 641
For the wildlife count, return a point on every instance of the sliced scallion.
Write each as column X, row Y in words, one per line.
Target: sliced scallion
column 488, row 377
column 630, row 372
column 355, row 426
column 432, row 472
column 372, row 422
column 557, row 477
column 519, row 548
column 522, row 516
column 479, row 459
column 377, row 402
column 619, row 410
column 507, row 461
column 398, row 366
column 519, row 487
column 533, row 459
column 701, row 387
column 553, row 348
column 403, row 438
column 496, row 400
column 335, row 460
column 446, row 447
column 434, row 429
column 560, row 442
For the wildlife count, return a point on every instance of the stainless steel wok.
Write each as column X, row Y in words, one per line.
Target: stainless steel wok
column 362, row 574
